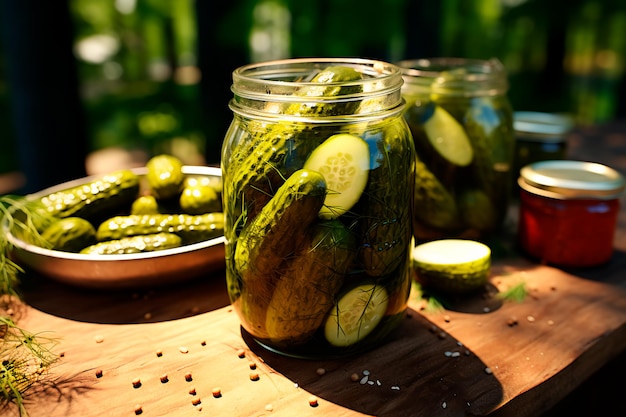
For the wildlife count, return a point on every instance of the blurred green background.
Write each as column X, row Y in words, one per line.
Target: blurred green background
column 152, row 76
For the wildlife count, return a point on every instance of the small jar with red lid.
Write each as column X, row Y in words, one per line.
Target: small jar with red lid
column 568, row 212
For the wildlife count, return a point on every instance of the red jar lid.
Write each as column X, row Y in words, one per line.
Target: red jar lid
column 564, row 179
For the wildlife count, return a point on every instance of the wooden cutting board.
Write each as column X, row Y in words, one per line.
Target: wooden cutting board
column 510, row 358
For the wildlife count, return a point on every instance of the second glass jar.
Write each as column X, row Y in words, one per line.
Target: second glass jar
column 318, row 173
column 462, row 125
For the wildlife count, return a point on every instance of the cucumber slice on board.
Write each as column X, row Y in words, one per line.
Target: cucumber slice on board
column 448, row 137
column 452, row 265
column 344, row 161
column 356, row 314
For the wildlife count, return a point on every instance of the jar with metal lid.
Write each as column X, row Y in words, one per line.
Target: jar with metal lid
column 568, row 212
column 318, row 174
column 462, row 124
column 539, row 137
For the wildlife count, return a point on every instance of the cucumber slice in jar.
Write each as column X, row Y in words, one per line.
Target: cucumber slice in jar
column 356, row 314
column 344, row 161
column 452, row 265
column 448, row 137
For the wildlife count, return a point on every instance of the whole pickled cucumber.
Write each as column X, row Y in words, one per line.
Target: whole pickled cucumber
column 491, row 134
column 264, row 244
column 270, row 237
column 70, row 234
column 308, row 286
column 165, row 176
column 94, row 199
column 199, row 199
column 191, row 228
column 145, row 204
column 387, row 230
column 435, row 206
column 135, row 244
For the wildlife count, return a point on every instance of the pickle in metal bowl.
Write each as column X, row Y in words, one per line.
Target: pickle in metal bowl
column 128, row 270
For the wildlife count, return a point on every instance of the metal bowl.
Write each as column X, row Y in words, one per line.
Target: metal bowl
column 122, row 271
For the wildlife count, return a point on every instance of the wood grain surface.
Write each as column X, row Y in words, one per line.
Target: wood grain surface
column 512, row 358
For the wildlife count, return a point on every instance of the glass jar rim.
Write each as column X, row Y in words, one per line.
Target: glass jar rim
column 455, row 76
column 264, row 88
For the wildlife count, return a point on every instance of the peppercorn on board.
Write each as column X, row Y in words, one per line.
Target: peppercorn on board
column 164, row 351
column 201, row 250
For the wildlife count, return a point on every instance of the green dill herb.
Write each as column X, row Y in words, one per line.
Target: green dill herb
column 518, row 293
column 24, row 357
column 24, row 360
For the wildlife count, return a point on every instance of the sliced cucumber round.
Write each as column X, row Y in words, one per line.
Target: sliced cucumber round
column 448, row 137
column 344, row 161
column 356, row 314
column 452, row 265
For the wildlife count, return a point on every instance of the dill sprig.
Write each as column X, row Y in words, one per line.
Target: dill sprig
column 517, row 292
column 24, row 357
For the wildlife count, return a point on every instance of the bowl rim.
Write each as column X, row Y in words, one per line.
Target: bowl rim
column 38, row 250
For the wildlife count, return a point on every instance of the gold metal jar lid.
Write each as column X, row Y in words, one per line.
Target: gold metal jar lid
column 541, row 127
column 565, row 179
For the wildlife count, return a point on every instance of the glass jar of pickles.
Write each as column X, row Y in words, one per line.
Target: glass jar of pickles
column 462, row 124
column 318, row 174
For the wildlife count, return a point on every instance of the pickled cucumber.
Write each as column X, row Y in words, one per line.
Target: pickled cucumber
column 356, row 315
column 165, row 176
column 307, row 288
column 70, row 234
column 344, row 161
column 386, row 230
column 452, row 265
column 135, row 244
column 270, row 238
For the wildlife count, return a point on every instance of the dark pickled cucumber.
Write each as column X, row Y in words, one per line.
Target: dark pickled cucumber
column 70, row 234
column 264, row 244
column 478, row 211
column 307, row 287
column 135, row 244
column 165, row 176
column 387, row 229
column 191, row 228
column 270, row 237
column 435, row 206
column 489, row 128
column 95, row 199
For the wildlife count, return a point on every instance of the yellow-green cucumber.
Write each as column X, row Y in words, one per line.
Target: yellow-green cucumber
column 452, row 265
column 165, row 176
column 70, row 234
column 200, row 199
column 356, row 314
column 145, row 204
column 344, row 161
column 447, row 136
column 309, row 284
column 135, row 244
column 94, row 199
column 191, row 228
column 268, row 240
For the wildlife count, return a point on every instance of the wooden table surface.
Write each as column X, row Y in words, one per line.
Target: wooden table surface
column 481, row 358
